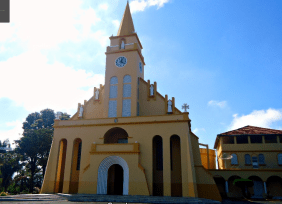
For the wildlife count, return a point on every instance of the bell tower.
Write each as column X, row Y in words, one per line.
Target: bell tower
column 124, row 65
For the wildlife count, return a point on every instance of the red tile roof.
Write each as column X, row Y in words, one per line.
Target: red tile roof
column 248, row 130
column 251, row 130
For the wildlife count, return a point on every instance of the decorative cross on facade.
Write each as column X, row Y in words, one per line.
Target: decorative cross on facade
column 185, row 107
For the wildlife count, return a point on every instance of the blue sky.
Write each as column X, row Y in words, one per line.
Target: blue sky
column 223, row 58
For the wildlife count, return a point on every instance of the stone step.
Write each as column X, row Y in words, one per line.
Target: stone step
column 107, row 198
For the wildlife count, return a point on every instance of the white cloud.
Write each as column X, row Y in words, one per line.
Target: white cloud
column 260, row 118
column 51, row 23
column 197, row 130
column 116, row 23
column 12, row 134
column 36, row 85
column 104, row 6
column 221, row 104
column 141, row 5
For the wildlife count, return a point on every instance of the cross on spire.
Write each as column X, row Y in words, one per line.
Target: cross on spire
column 185, row 107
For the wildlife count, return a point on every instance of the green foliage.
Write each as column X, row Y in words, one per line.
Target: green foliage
column 65, row 116
column 10, row 164
column 44, row 119
column 36, row 143
column 13, row 189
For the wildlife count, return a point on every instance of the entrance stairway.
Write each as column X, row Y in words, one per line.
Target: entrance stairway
column 106, row 198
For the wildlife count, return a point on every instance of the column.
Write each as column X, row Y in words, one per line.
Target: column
column 166, row 165
column 226, row 186
column 265, row 189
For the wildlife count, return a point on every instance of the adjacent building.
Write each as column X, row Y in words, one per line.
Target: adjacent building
column 251, row 153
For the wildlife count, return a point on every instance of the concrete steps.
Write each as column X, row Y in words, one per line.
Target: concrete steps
column 106, row 198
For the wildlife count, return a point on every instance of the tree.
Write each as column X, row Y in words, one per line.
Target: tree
column 10, row 164
column 36, row 142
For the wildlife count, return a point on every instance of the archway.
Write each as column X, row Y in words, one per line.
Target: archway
column 158, row 185
column 274, row 186
column 220, row 183
column 116, row 135
column 103, row 174
column 175, row 162
column 61, row 166
column 234, row 191
column 257, row 189
column 75, row 167
column 115, row 180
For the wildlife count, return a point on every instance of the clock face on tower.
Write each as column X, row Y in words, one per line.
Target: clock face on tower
column 121, row 61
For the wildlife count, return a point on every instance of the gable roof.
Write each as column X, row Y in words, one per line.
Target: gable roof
column 248, row 130
column 251, row 130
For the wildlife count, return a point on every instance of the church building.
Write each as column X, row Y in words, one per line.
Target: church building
column 127, row 139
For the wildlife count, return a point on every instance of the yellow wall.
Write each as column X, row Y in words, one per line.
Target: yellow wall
column 204, row 158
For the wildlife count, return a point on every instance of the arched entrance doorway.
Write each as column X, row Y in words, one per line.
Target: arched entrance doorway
column 103, row 172
column 115, row 180
column 274, row 186
column 234, row 191
column 221, row 185
column 257, row 189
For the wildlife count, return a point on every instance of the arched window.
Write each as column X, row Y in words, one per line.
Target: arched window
column 234, row 159
column 175, row 165
column 247, row 159
column 280, row 159
column 261, row 159
column 113, row 87
column 157, row 166
column 75, row 167
column 61, row 166
column 126, row 103
column 116, row 135
column 113, row 94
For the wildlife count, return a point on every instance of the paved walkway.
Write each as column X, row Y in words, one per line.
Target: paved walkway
column 65, row 198
column 105, row 199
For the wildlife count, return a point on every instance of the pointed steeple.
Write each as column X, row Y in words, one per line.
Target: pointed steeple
column 126, row 26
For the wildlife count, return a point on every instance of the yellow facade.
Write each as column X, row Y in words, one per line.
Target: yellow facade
column 255, row 155
column 127, row 136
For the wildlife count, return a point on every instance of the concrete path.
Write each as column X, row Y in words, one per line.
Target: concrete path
column 77, row 198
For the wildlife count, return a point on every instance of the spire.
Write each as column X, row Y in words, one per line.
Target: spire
column 126, row 26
